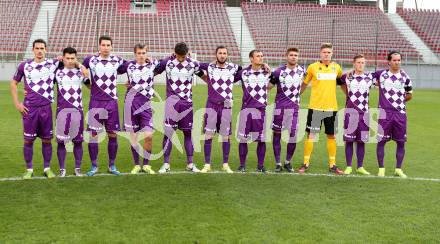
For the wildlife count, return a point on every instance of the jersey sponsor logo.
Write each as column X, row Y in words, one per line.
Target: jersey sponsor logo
column 326, row 76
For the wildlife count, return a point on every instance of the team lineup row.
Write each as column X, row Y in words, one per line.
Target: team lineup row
column 99, row 73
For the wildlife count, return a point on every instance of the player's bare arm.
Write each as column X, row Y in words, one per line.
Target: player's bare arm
column 18, row 105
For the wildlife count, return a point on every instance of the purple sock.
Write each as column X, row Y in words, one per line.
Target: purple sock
column 261, row 153
column 28, row 152
column 167, row 146
column 226, row 145
column 290, row 151
column 147, row 154
column 78, row 154
column 349, row 153
column 61, row 153
column 46, row 148
column 188, row 146
column 277, row 147
column 112, row 148
column 242, row 151
column 360, row 152
column 400, row 154
column 135, row 155
column 207, row 150
column 93, row 151
column 380, row 153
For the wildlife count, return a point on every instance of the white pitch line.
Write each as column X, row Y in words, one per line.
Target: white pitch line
column 235, row 173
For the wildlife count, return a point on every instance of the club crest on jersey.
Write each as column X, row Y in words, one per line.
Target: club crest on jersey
column 29, row 68
column 188, row 67
column 299, row 72
column 385, row 76
column 61, row 75
column 95, row 61
column 284, row 74
column 113, row 62
column 171, row 65
column 47, row 65
column 132, row 68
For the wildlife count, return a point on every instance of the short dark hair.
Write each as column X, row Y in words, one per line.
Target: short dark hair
column 139, row 46
column 390, row 54
column 220, row 47
column 69, row 50
column 105, row 38
column 292, row 49
column 181, row 48
column 359, row 55
column 39, row 41
column 326, row 45
column 251, row 53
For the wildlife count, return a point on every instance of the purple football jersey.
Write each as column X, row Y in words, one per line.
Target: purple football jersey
column 141, row 78
column 358, row 90
column 179, row 76
column 392, row 89
column 254, row 85
column 220, row 81
column 103, row 74
column 69, row 88
column 288, row 83
column 38, row 81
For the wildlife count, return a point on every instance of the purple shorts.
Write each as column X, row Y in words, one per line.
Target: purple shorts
column 139, row 118
column 251, row 124
column 217, row 118
column 285, row 119
column 70, row 125
column 392, row 127
column 38, row 123
column 356, row 127
column 178, row 114
column 103, row 114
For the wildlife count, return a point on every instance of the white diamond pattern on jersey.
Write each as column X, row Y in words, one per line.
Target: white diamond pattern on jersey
column 255, row 83
column 141, row 78
column 222, row 80
column 179, row 76
column 290, row 82
column 392, row 86
column 40, row 77
column 69, row 85
column 359, row 90
column 104, row 72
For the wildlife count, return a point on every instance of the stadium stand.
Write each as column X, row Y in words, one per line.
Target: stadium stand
column 350, row 28
column 202, row 24
column 426, row 24
column 17, row 18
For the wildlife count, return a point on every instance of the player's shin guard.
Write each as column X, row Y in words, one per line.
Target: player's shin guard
column 261, row 153
column 207, row 150
column 78, row 154
column 189, row 149
column 242, row 151
column 167, row 146
column 46, row 149
column 28, row 152
column 291, row 146
column 226, row 146
column 400, row 154
column 308, row 148
column 348, row 153
column 61, row 154
column 277, row 147
column 112, row 148
column 380, row 153
column 93, row 150
column 360, row 153
column 135, row 155
column 331, row 150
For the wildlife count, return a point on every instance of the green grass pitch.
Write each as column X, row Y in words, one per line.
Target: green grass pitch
column 220, row 208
